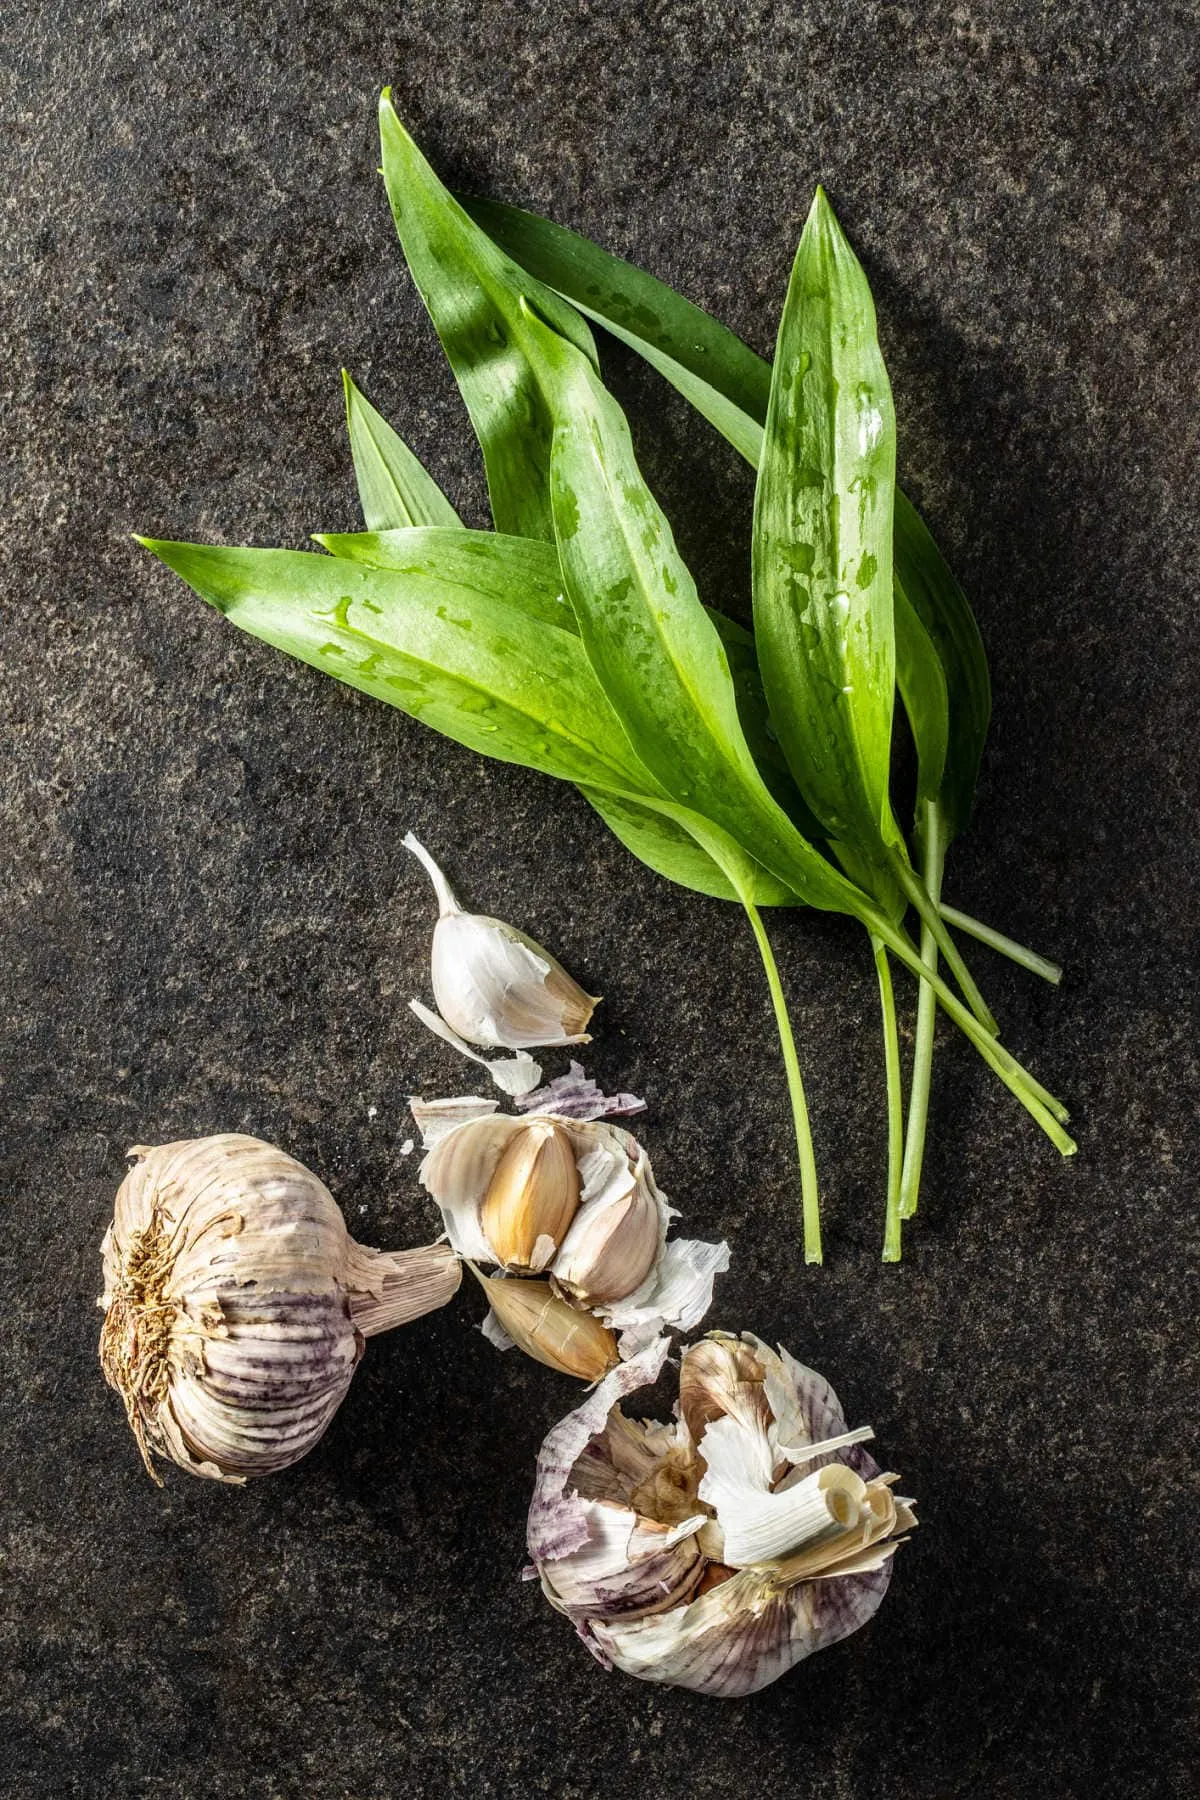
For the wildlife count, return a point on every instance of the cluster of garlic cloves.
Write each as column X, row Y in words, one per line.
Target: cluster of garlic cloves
column 719, row 1550
column 568, row 1210
column 236, row 1304
column 497, row 989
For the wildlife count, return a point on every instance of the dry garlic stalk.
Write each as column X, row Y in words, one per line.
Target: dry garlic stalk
column 497, row 988
column 236, row 1304
column 715, row 1552
column 573, row 1205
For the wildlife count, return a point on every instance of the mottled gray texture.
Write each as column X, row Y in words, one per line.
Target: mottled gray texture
column 209, row 923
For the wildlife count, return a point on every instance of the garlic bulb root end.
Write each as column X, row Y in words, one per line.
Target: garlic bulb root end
column 135, row 1338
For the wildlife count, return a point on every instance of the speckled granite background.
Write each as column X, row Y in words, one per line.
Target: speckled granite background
column 208, row 922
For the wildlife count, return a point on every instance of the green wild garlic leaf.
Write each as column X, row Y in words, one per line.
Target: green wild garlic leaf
column 721, row 376
column 479, row 671
column 523, row 572
column 654, row 649
column 459, row 658
column 921, row 680
column 730, row 386
column 822, row 551
column 473, row 293
column 493, row 339
column 942, row 608
column 394, row 487
column 669, row 848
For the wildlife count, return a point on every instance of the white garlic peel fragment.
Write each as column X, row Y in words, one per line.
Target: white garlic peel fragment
column 705, row 1553
column 513, row 1075
column 434, row 1118
column 607, row 1253
column 237, row 1304
column 496, row 987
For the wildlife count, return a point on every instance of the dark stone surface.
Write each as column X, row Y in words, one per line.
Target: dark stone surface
column 209, row 924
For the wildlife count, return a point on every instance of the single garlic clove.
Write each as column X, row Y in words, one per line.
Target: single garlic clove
column 499, row 988
column 236, row 1304
column 610, row 1249
column 494, row 985
column 689, row 1500
column 532, row 1198
column 534, row 1319
column 459, row 1165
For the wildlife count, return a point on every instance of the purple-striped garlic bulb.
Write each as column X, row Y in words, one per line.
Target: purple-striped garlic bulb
column 716, row 1551
column 236, row 1304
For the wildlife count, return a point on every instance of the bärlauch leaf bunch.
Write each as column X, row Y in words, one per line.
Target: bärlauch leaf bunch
column 752, row 766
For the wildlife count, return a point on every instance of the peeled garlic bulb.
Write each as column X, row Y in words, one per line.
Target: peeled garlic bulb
column 236, row 1304
column 574, row 1200
column 718, row 1551
column 496, row 987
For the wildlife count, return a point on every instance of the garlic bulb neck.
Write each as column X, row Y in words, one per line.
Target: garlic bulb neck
column 391, row 1287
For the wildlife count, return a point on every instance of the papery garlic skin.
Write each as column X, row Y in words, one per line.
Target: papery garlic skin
column 237, row 1304
column 513, row 1075
column 495, row 986
column 635, row 1542
column 610, row 1258
column 742, row 1635
column 576, row 1096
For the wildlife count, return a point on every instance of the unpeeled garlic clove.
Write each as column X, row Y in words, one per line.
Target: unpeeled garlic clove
column 532, row 1197
column 613, row 1244
column 236, row 1304
column 640, row 1533
column 614, row 1259
column 530, row 1315
column 495, row 986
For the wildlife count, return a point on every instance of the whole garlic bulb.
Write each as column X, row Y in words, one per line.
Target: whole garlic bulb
column 575, row 1202
column 236, row 1304
column 718, row 1551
